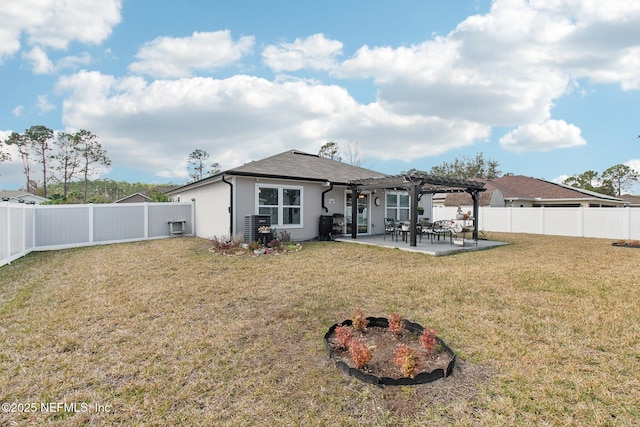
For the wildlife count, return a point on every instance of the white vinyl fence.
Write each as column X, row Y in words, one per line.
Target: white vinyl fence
column 606, row 223
column 26, row 228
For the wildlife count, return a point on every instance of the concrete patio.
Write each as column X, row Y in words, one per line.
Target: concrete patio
column 440, row 247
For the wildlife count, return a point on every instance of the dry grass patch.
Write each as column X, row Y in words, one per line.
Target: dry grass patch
column 166, row 333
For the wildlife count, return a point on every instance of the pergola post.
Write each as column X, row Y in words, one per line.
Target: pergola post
column 476, row 211
column 355, row 193
column 414, row 192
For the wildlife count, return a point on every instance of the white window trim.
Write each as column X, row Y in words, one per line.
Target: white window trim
column 280, row 205
column 397, row 207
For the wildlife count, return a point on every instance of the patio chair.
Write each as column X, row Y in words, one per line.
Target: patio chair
column 390, row 227
column 441, row 228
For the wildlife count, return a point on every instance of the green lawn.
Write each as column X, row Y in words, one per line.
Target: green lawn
column 547, row 331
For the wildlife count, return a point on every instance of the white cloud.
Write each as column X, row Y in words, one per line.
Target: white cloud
column 40, row 62
column 560, row 179
column 634, row 164
column 507, row 67
column 44, row 105
column 54, row 24
column 17, row 111
column 315, row 52
column 546, row 136
column 155, row 125
column 170, row 57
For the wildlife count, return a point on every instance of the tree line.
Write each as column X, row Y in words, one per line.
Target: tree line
column 64, row 158
column 612, row 181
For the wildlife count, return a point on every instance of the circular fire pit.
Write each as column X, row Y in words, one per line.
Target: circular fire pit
column 381, row 369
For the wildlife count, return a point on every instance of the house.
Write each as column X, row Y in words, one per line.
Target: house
column 134, row 198
column 523, row 191
column 293, row 188
column 631, row 200
column 304, row 194
column 19, row 196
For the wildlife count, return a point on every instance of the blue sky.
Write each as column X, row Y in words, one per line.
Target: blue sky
column 547, row 88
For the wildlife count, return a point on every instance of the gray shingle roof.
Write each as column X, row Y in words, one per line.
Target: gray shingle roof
column 296, row 164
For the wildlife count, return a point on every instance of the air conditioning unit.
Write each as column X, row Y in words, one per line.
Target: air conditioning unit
column 251, row 225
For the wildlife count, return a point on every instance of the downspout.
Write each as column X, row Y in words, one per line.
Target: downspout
column 230, row 206
column 326, row 209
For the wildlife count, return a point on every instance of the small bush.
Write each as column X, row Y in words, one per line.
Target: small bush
column 284, row 236
column 343, row 335
column 359, row 352
column 408, row 360
column 396, row 324
column 428, row 340
column 222, row 242
column 359, row 321
column 254, row 245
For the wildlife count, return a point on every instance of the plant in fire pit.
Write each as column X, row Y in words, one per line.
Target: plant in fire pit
column 359, row 352
column 343, row 336
column 359, row 321
column 428, row 340
column 408, row 359
column 396, row 324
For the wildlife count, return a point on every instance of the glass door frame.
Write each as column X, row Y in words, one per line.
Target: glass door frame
column 366, row 197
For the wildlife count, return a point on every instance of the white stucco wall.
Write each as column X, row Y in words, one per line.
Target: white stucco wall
column 211, row 208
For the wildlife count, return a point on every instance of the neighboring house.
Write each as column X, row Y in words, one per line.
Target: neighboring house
column 134, row 198
column 492, row 197
column 523, row 191
column 631, row 200
column 294, row 189
column 16, row 196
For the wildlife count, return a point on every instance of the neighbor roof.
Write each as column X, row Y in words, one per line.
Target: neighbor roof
column 20, row 194
column 631, row 199
column 519, row 187
column 296, row 164
column 524, row 187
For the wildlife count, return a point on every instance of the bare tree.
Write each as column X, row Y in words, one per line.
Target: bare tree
column 352, row 153
column 92, row 154
column 67, row 160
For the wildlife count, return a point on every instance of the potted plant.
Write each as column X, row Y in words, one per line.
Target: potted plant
column 420, row 210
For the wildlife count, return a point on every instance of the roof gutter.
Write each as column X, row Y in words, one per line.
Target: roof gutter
column 272, row 176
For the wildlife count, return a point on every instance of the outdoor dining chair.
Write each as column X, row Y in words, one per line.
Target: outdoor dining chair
column 390, row 227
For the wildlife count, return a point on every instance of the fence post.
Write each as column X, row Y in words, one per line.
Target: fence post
column 146, row 220
column 91, row 222
column 581, row 220
column 8, row 235
column 193, row 218
column 628, row 222
column 23, row 238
